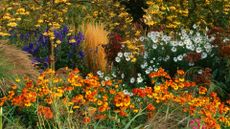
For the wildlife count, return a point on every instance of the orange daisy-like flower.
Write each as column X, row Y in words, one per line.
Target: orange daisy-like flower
column 2, row 100
column 100, row 117
column 86, row 120
column 150, row 107
column 121, row 100
column 45, row 111
column 202, row 90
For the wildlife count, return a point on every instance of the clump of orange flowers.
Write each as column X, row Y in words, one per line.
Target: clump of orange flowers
column 45, row 111
column 94, row 98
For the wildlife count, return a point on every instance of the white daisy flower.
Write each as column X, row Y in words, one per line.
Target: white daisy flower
column 194, row 26
column 122, row 75
column 132, row 80
column 173, row 49
column 147, row 71
column 204, row 55
column 126, row 92
column 198, row 49
column 187, row 41
column 149, row 35
column 119, row 54
column 107, row 78
column 143, row 66
column 126, row 54
column 181, row 43
column 197, row 39
column 139, row 80
column 180, row 57
column 174, row 43
column 142, row 38
column 200, row 71
column 127, row 58
column 154, row 46
column 207, row 46
column 150, row 68
column 117, row 59
column 99, row 73
column 114, row 75
column 175, row 59
column 154, row 39
column 155, row 69
column 189, row 46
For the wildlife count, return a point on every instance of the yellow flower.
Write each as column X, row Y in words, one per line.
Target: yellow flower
column 40, row 21
column 135, row 110
column 157, row 88
column 134, row 60
column 76, row 107
column 12, row 24
column 72, row 41
column 4, row 34
column 149, row 3
column 58, row 41
column 99, row 102
column 17, row 80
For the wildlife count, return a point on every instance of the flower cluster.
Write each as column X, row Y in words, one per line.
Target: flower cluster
column 183, row 50
column 33, row 14
column 172, row 12
column 39, row 47
column 172, row 15
column 95, row 99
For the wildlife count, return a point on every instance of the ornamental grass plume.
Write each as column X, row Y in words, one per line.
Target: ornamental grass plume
column 22, row 65
column 95, row 38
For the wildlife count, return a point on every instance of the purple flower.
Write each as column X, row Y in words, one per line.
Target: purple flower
column 81, row 54
column 58, row 35
column 65, row 31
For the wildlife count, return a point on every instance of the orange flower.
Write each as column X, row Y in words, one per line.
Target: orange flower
column 78, row 99
column 99, row 102
column 122, row 113
column 49, row 100
column 100, row 117
column 160, row 73
column 45, row 111
column 122, row 100
column 180, row 72
column 202, row 90
column 103, row 107
column 69, row 88
column 14, row 87
column 108, row 83
column 150, row 107
column 2, row 101
column 86, row 120
column 105, row 98
column 112, row 91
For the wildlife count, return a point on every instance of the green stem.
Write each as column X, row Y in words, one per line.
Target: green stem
column 52, row 56
column 1, row 117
